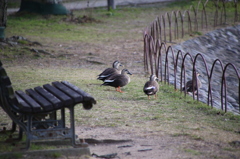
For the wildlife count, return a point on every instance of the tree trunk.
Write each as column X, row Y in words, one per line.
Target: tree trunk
column 3, row 17
column 111, row 5
column 43, row 7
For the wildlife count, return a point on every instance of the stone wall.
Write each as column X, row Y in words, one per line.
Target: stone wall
column 223, row 44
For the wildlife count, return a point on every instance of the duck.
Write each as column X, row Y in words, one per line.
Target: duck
column 190, row 85
column 151, row 87
column 110, row 71
column 118, row 80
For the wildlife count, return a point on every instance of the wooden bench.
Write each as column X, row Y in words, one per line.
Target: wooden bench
column 35, row 110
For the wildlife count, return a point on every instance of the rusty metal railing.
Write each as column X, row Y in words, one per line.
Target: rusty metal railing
column 167, row 63
column 178, row 24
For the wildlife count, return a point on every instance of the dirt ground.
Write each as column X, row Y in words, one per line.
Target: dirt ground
column 140, row 144
column 148, row 144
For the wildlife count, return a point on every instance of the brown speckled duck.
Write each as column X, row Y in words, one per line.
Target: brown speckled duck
column 151, row 87
column 118, row 80
column 110, row 71
column 189, row 85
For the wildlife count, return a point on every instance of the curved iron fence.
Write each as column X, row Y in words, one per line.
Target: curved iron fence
column 177, row 24
column 168, row 64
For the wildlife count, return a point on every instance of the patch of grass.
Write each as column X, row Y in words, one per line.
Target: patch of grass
column 179, row 134
column 195, row 137
column 15, row 156
column 18, row 155
column 197, row 33
column 183, row 4
column 6, row 142
column 194, row 152
column 54, row 155
column 191, row 136
column 23, row 42
column 41, row 147
column 42, row 27
column 229, row 149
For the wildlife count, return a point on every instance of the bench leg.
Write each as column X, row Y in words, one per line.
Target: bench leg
column 53, row 115
column 63, row 117
column 14, row 125
column 71, row 109
column 74, row 136
column 28, row 132
column 20, row 134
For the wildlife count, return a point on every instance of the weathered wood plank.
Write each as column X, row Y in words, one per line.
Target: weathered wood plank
column 73, row 94
column 46, row 105
column 62, row 96
column 36, row 108
column 86, row 96
column 57, row 103
column 23, row 106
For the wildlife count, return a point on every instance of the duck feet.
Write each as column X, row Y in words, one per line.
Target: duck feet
column 118, row 89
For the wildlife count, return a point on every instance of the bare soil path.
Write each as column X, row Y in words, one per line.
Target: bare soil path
column 148, row 141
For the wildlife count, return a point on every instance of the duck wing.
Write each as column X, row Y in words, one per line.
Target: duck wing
column 107, row 73
column 150, row 87
column 116, row 80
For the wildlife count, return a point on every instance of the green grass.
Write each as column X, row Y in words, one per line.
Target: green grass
column 15, row 156
column 171, row 107
column 171, row 113
column 53, row 25
column 194, row 152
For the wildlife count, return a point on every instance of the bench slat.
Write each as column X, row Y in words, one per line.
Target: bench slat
column 73, row 94
column 24, row 107
column 34, row 105
column 50, row 97
column 86, row 96
column 47, row 106
column 62, row 96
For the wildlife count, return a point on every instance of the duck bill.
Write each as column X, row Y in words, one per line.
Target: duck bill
column 129, row 73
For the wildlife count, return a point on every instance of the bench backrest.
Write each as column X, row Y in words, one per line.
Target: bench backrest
column 8, row 100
